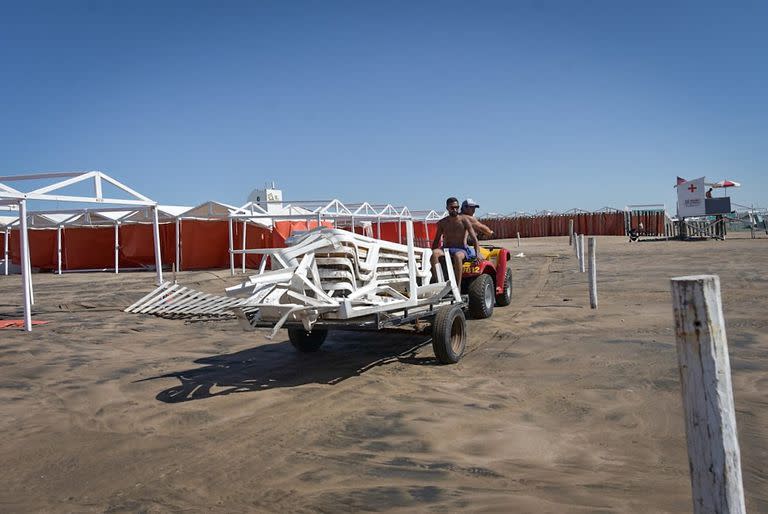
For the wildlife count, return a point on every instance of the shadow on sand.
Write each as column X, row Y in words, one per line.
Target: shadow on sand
column 273, row 365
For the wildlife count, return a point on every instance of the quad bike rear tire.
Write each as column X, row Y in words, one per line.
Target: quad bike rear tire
column 505, row 298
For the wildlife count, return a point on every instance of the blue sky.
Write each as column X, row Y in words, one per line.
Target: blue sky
column 520, row 105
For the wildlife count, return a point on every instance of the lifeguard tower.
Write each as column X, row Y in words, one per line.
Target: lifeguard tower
column 699, row 215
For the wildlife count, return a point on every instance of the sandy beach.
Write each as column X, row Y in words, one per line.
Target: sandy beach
column 555, row 407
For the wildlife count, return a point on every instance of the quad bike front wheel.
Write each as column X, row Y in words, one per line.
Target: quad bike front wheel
column 481, row 297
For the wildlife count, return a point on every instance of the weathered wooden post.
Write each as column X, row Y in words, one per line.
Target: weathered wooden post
column 705, row 376
column 518, row 239
column 570, row 232
column 591, row 246
column 582, row 268
column 576, row 245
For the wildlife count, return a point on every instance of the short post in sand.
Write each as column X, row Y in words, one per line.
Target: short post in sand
column 570, row 232
column 518, row 239
column 705, row 376
column 576, row 245
column 582, row 269
column 591, row 245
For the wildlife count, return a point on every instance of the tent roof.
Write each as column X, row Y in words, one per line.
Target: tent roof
column 209, row 210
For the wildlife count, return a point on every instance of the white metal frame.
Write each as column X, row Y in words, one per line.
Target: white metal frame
column 10, row 196
column 321, row 211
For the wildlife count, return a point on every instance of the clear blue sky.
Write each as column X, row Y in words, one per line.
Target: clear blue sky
column 520, row 105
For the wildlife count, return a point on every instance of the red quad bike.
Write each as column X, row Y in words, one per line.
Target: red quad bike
column 487, row 281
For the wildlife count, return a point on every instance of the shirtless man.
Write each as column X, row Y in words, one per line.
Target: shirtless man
column 454, row 229
column 468, row 208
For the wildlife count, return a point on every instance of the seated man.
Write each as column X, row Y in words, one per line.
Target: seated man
column 468, row 208
column 454, row 229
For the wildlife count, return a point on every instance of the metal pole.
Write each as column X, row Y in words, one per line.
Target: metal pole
column 25, row 279
column 378, row 227
column 426, row 235
column 399, row 230
column 8, row 235
column 28, row 259
column 705, row 376
column 117, row 247
column 58, row 247
column 582, row 268
column 413, row 288
column 591, row 247
column 178, row 244
column 158, row 256
column 231, row 248
column 243, row 247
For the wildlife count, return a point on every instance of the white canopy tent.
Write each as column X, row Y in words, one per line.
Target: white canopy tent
column 53, row 191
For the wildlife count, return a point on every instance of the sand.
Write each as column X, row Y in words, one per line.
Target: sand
column 554, row 408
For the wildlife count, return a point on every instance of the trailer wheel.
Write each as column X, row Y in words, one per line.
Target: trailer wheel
column 481, row 297
column 505, row 298
column 449, row 334
column 307, row 342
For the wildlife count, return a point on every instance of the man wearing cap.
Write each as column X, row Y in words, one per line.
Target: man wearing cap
column 468, row 208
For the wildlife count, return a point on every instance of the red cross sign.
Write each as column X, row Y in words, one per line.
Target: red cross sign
column 691, row 188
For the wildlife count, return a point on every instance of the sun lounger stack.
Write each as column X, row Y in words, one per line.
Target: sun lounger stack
column 323, row 272
column 325, row 268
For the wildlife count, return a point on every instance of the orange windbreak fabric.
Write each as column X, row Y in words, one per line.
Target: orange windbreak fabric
column 389, row 231
column 88, row 248
column 137, row 246
column 205, row 244
column 42, row 248
column 596, row 223
column 283, row 230
column 256, row 237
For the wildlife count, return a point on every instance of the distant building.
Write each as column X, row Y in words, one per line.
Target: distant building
column 268, row 198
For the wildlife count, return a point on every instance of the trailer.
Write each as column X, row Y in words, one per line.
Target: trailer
column 329, row 279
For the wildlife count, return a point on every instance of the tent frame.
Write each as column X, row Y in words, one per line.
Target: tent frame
column 11, row 196
column 319, row 211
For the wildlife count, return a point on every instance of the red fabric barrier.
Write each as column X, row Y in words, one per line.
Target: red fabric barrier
column 137, row 247
column 87, row 248
column 284, row 229
column 42, row 248
column 205, row 244
column 598, row 223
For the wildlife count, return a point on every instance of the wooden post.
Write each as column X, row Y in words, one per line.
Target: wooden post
column 591, row 246
column 518, row 239
column 570, row 232
column 576, row 245
column 705, row 376
column 582, row 269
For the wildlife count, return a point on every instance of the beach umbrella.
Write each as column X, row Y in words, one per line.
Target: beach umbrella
column 726, row 183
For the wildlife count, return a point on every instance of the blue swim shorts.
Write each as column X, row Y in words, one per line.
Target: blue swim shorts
column 468, row 252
